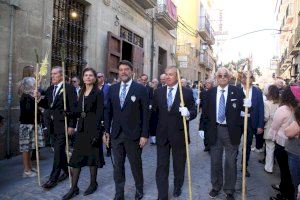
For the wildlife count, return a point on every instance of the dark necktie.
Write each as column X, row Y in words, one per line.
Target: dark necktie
column 54, row 93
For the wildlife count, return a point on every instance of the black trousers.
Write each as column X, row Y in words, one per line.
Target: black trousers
column 286, row 184
column 60, row 157
column 122, row 147
column 163, row 165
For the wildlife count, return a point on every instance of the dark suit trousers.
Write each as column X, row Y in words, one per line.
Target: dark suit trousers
column 163, row 165
column 216, row 154
column 121, row 147
column 60, row 158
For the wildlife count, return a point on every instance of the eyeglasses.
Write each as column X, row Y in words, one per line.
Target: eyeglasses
column 74, row 81
column 223, row 76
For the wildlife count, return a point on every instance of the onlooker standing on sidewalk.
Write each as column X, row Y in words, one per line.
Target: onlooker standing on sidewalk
column 293, row 143
column 283, row 117
column 271, row 105
column 26, row 131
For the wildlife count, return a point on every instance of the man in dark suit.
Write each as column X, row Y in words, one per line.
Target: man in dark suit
column 53, row 100
column 144, row 81
column 128, row 109
column 170, row 132
column 255, row 117
column 104, row 88
column 223, row 122
column 162, row 81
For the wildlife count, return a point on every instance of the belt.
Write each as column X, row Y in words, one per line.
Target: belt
column 222, row 125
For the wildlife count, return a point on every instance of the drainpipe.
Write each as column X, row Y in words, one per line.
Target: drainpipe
column 13, row 6
column 152, row 48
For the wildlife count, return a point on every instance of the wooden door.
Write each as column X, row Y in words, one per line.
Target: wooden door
column 138, row 60
column 114, row 54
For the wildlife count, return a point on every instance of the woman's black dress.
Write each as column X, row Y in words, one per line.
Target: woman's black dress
column 89, row 128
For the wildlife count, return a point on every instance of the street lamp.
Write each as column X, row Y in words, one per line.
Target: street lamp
column 74, row 14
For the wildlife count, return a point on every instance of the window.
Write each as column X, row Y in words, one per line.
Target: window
column 70, row 32
column 131, row 37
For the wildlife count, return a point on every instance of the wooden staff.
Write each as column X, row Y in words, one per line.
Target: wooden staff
column 185, row 137
column 199, row 92
column 245, row 135
column 36, row 121
column 65, row 109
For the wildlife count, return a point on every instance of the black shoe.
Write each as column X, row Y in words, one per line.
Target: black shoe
column 177, row 192
column 49, row 184
column 213, row 193
column 206, row 149
column 72, row 193
column 91, row 189
column 119, row 197
column 247, row 173
column 275, row 187
column 139, row 195
column 229, row 197
column 62, row 177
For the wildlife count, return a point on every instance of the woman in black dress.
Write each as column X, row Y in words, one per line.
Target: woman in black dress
column 88, row 142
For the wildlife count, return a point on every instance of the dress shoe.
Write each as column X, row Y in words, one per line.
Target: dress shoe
column 139, row 194
column 49, row 184
column 177, row 192
column 229, row 197
column 213, row 193
column 91, row 189
column 119, row 197
column 72, row 193
column 62, row 177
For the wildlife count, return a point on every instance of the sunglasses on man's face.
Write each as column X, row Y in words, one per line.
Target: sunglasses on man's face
column 74, row 81
column 223, row 76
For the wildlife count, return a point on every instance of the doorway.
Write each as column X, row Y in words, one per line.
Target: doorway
column 162, row 60
column 127, row 51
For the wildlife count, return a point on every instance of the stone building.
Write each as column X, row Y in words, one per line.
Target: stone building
column 96, row 33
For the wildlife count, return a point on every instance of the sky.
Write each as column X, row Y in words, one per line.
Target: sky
column 243, row 16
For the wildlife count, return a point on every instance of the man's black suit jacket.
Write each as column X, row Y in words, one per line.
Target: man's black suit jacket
column 56, row 108
column 234, row 106
column 170, row 124
column 133, row 118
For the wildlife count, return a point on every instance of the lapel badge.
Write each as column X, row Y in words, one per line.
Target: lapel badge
column 234, row 105
column 133, row 98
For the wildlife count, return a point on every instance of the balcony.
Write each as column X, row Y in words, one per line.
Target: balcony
column 297, row 35
column 203, row 59
column 293, row 49
column 211, row 63
column 146, row 4
column 167, row 14
column 206, row 31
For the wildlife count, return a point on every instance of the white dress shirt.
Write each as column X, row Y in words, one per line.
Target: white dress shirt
column 173, row 91
column 128, row 84
column 250, row 92
column 219, row 93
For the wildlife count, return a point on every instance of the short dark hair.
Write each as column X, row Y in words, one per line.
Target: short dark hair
column 144, row 75
column 288, row 98
column 125, row 62
column 273, row 93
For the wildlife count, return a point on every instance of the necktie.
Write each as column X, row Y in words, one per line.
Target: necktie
column 54, row 93
column 123, row 95
column 169, row 99
column 221, row 113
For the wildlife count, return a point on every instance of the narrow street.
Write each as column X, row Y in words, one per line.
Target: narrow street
column 13, row 186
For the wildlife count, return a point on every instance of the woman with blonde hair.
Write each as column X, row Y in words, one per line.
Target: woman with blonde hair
column 26, row 130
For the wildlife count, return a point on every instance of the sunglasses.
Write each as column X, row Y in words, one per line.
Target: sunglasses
column 223, row 76
column 74, row 81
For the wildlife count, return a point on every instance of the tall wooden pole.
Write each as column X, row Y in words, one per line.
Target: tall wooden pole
column 199, row 92
column 36, row 124
column 185, row 137
column 65, row 109
column 245, row 135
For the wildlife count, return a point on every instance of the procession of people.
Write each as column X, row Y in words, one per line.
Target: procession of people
column 122, row 118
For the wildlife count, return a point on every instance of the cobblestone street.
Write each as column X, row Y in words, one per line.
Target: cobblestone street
column 13, row 186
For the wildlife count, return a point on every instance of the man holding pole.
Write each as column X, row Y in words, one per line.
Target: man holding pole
column 170, row 132
column 223, row 122
column 53, row 101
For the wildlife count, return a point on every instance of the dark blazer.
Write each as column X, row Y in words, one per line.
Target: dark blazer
column 257, row 111
column 105, row 90
column 94, row 112
column 150, row 93
column 234, row 106
column 170, row 124
column 133, row 118
column 56, row 108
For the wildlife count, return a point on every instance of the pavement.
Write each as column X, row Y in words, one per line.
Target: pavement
column 13, row 186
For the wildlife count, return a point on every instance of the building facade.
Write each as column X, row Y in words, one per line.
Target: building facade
column 195, row 38
column 95, row 33
column 288, row 20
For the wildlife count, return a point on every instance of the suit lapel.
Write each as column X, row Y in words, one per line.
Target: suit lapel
column 214, row 102
column 57, row 95
column 176, row 102
column 129, row 94
column 228, row 98
column 164, row 97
